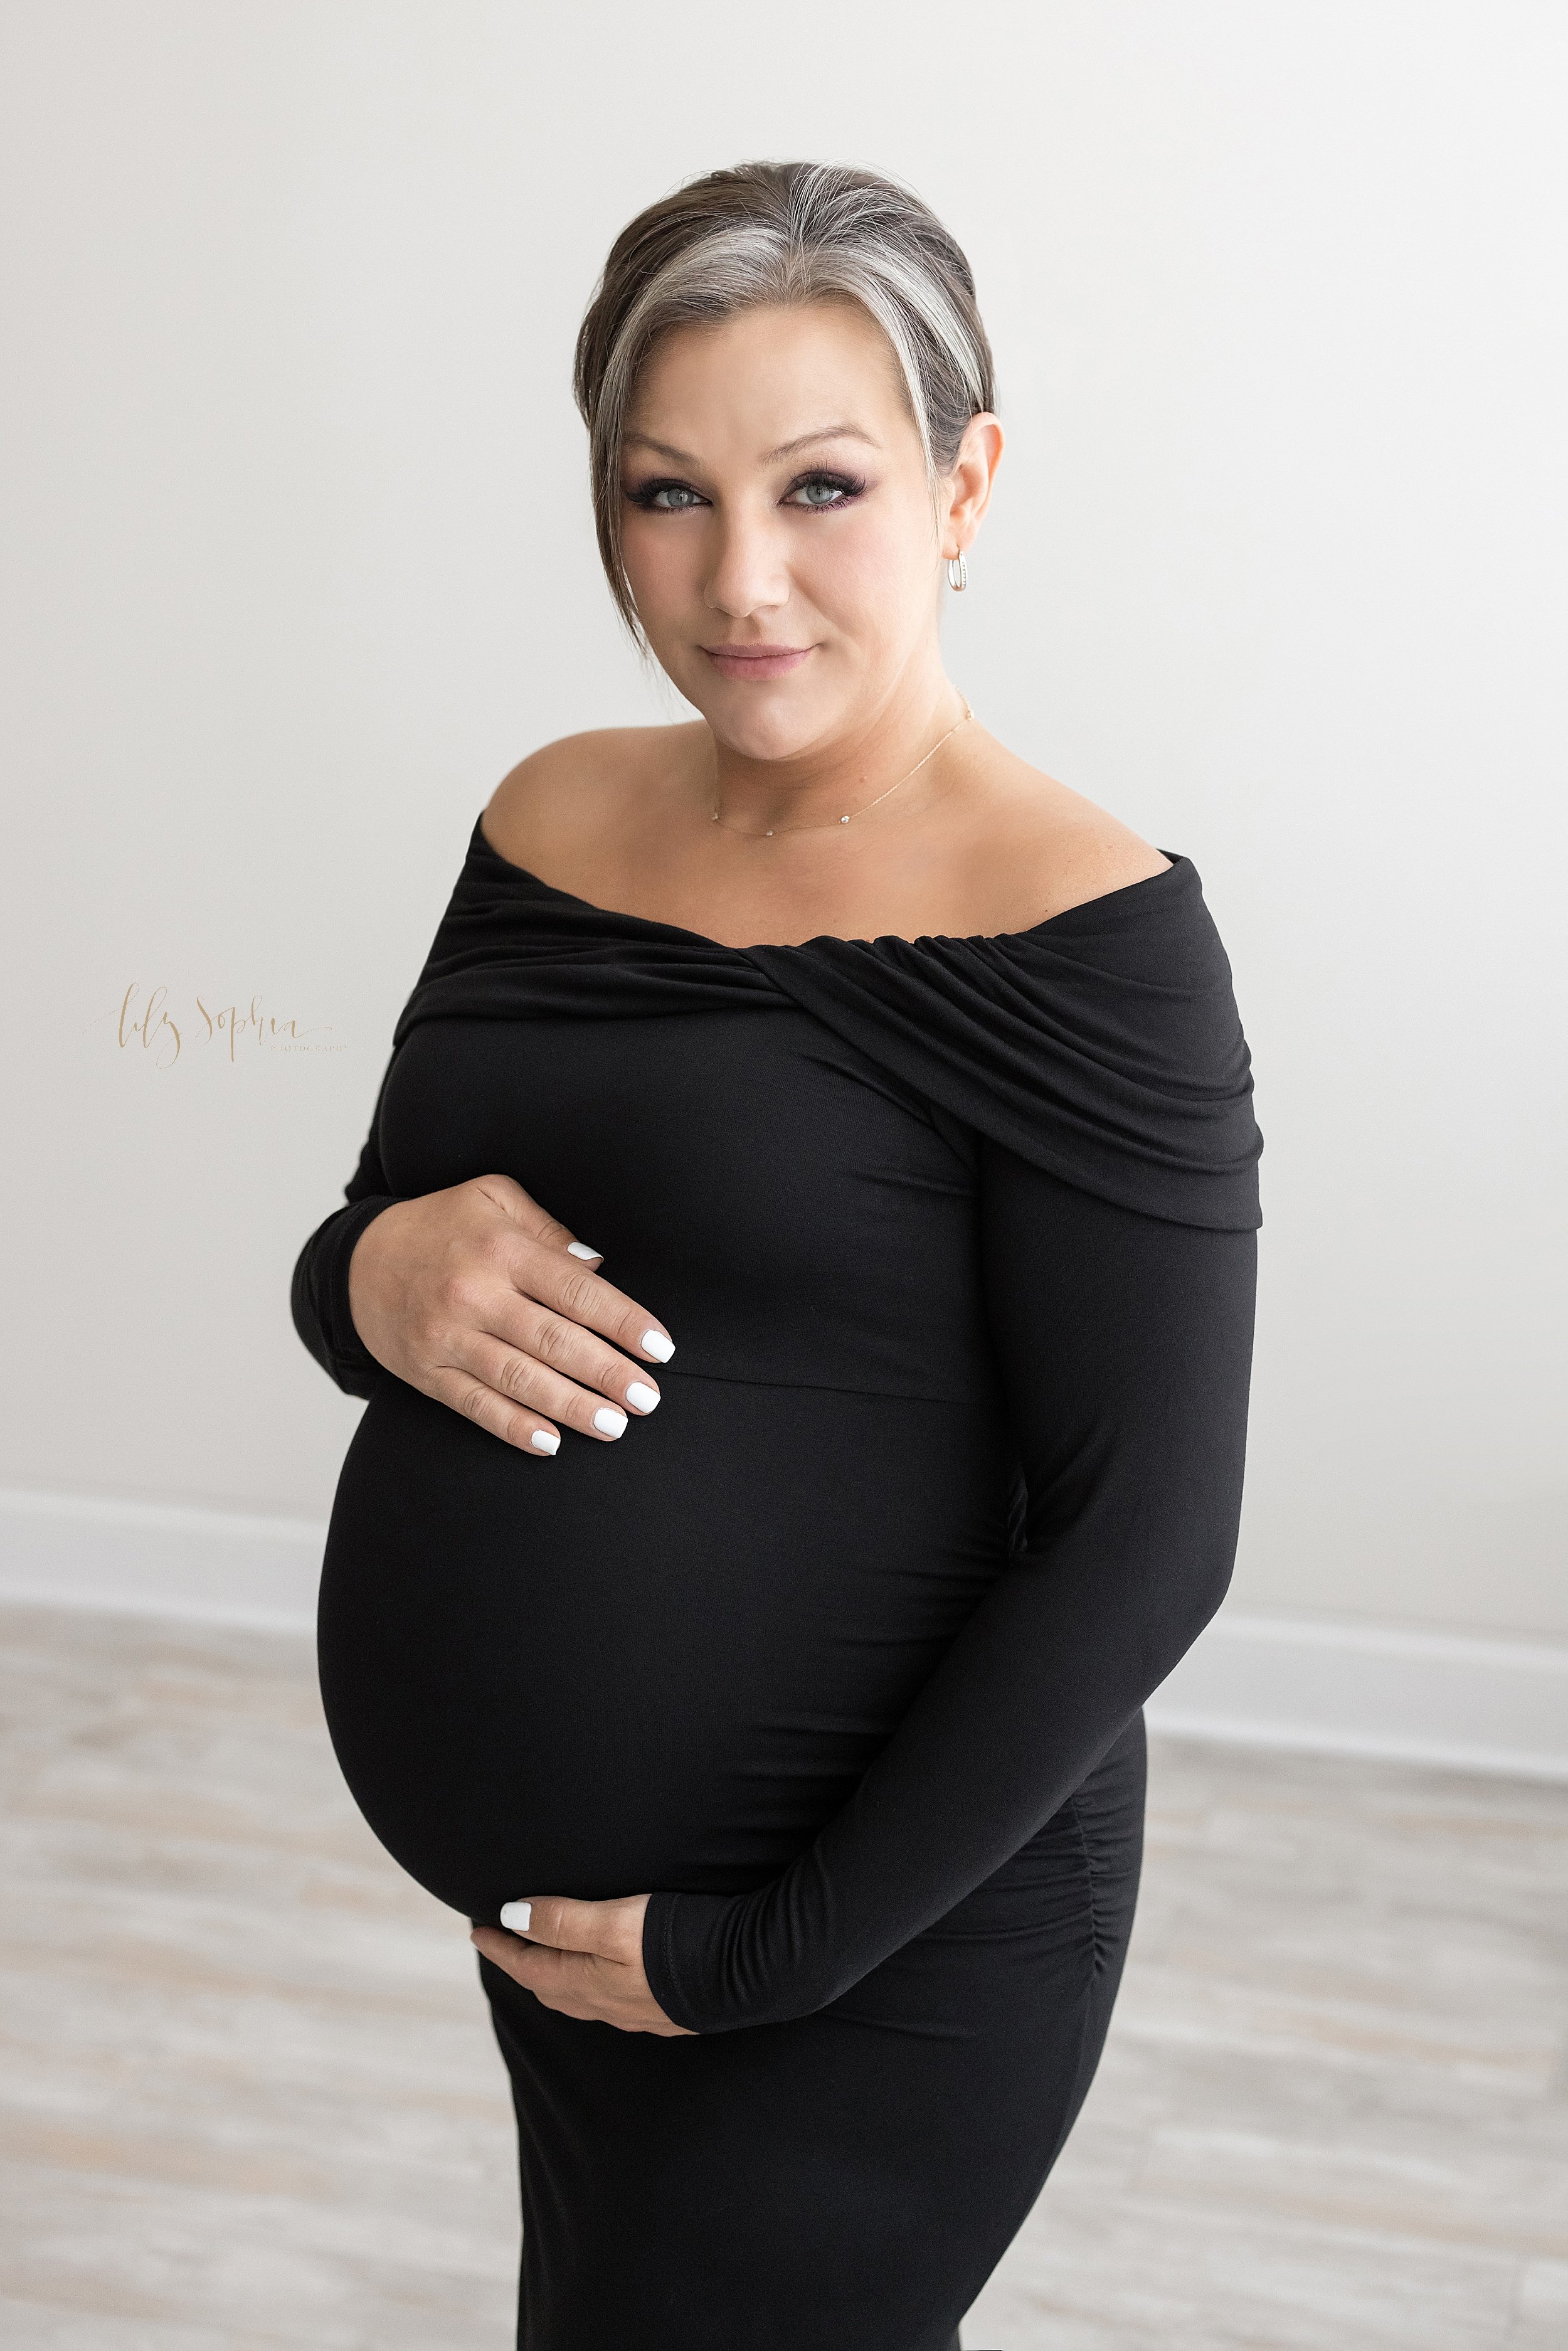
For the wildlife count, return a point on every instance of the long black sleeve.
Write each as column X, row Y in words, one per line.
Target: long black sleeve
column 318, row 1294
column 1125, row 1343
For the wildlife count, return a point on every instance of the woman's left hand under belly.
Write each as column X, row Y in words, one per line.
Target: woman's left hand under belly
column 584, row 1959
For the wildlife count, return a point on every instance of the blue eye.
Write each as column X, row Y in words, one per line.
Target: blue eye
column 665, row 497
column 817, row 492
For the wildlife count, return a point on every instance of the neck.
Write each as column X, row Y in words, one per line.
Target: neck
column 841, row 775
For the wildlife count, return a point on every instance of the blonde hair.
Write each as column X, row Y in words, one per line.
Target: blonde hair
column 780, row 234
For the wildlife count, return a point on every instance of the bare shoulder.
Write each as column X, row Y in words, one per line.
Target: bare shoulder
column 1089, row 855
column 566, row 792
column 1045, row 848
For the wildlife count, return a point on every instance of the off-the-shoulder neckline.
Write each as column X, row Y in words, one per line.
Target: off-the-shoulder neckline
column 1179, row 868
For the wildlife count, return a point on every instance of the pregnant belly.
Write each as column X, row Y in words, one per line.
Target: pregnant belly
column 659, row 1663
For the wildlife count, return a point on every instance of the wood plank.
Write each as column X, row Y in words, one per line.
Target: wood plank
column 250, row 2098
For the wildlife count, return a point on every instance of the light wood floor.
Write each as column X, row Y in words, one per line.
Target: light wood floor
column 249, row 2096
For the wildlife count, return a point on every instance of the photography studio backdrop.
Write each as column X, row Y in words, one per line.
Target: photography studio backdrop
column 299, row 562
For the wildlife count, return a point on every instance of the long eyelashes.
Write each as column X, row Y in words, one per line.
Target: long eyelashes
column 844, row 486
column 655, row 497
column 667, row 494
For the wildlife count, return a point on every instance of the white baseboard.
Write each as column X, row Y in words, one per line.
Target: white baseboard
column 1328, row 1687
column 1341, row 1687
column 161, row 1559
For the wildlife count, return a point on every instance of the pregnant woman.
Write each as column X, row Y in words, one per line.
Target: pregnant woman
column 750, row 1639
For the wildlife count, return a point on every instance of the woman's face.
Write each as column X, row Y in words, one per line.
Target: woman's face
column 780, row 539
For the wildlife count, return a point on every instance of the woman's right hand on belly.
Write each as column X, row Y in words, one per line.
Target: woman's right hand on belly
column 477, row 1297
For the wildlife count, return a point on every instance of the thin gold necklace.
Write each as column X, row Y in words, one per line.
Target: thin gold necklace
column 744, row 835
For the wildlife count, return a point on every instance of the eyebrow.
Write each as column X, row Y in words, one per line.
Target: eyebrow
column 784, row 448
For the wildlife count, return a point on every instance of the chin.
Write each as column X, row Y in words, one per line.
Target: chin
column 768, row 720
column 753, row 737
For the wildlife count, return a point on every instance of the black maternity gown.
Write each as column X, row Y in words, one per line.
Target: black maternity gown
column 841, row 1652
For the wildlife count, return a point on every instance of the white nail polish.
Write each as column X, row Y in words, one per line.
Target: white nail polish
column 641, row 1395
column 580, row 1248
column 515, row 1917
column 609, row 1421
column 545, row 1440
column 655, row 1343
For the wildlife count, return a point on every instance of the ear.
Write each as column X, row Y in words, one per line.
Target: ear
column 966, row 491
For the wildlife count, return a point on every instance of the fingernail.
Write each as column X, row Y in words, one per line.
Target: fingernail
column 655, row 1343
column 545, row 1440
column 580, row 1248
column 515, row 1917
column 609, row 1421
column 641, row 1395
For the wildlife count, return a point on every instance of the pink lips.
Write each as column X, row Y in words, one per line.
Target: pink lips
column 756, row 660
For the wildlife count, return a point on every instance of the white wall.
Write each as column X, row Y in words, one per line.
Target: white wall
column 299, row 562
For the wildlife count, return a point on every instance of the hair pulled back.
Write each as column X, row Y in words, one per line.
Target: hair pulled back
column 780, row 234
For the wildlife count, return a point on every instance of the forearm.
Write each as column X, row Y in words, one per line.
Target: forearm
column 1126, row 1347
column 319, row 1293
column 1041, row 1681
column 318, row 1296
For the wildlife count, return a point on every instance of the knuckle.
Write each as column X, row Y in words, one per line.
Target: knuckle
column 513, row 1376
column 518, row 1261
column 577, row 1295
column 612, row 1376
column 629, row 1322
column 495, row 1192
column 520, row 1205
column 434, row 1334
column 552, row 1344
column 473, row 1403
column 454, row 1299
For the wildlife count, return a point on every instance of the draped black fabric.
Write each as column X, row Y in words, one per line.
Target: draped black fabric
column 839, row 1655
column 1103, row 1045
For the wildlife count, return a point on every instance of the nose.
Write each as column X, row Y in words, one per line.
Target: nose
column 749, row 573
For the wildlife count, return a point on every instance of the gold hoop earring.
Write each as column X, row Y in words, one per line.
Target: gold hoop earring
column 958, row 574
